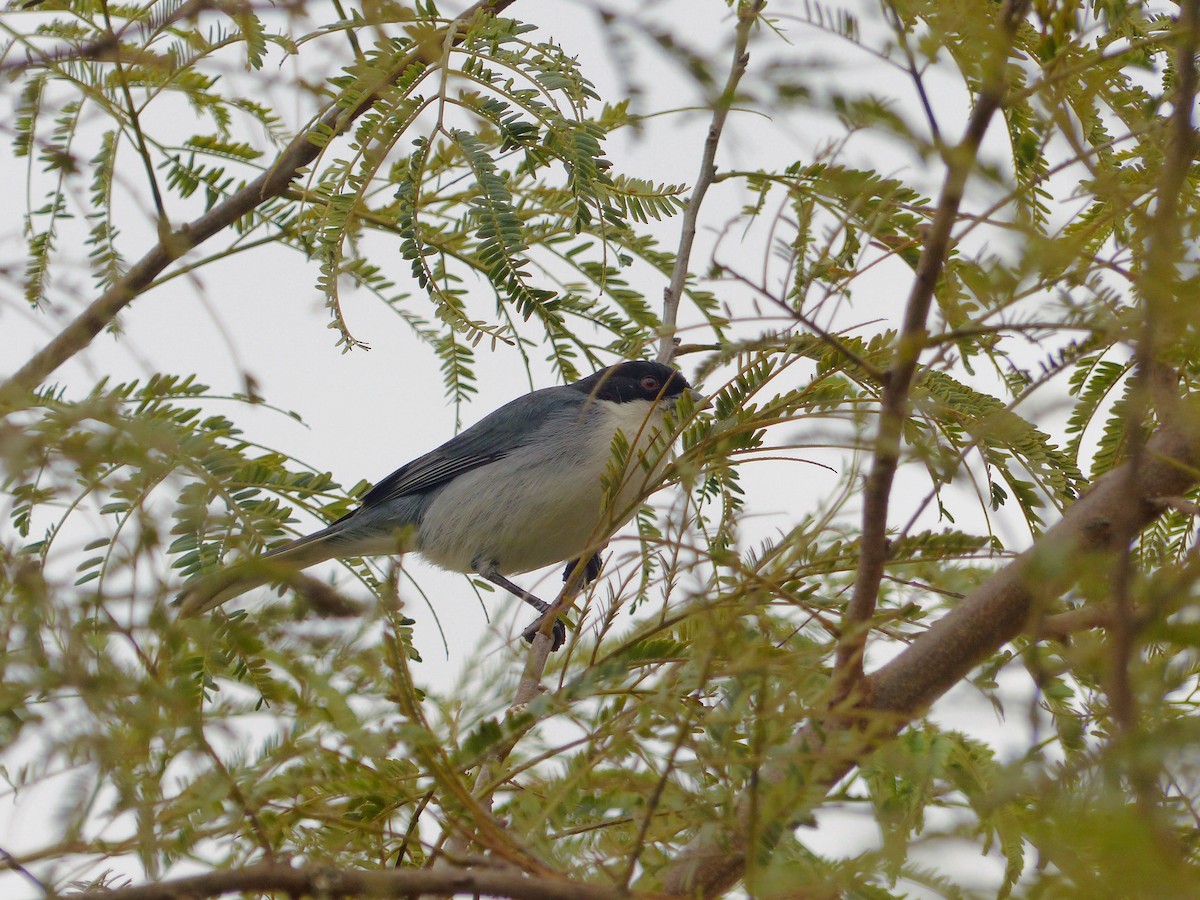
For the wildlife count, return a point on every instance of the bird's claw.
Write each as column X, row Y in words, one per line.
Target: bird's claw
column 558, row 638
column 590, row 572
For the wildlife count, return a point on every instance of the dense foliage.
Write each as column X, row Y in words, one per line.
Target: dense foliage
column 951, row 316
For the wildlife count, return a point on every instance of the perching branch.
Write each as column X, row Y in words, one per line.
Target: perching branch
column 528, row 689
column 960, row 161
column 748, row 11
column 271, row 184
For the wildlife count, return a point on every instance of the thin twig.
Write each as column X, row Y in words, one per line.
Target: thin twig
column 683, row 731
column 960, row 161
column 826, row 337
column 271, row 184
column 455, row 793
column 260, row 833
column 351, row 34
column 413, row 821
column 748, row 11
column 14, row 864
column 139, row 137
column 528, row 689
column 914, row 71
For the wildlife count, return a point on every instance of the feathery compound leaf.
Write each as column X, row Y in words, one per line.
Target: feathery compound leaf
column 501, row 239
column 219, row 146
column 106, row 260
column 1092, row 382
column 25, row 120
column 998, row 432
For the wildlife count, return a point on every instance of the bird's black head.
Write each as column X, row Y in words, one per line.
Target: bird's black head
column 636, row 380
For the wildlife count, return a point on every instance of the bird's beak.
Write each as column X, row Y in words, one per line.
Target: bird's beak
column 697, row 398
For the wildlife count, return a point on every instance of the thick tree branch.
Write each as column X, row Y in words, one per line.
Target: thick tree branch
column 271, row 184
column 976, row 628
column 960, row 161
column 673, row 293
column 316, row 881
column 996, row 612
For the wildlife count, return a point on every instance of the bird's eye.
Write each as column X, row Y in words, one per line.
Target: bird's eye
column 650, row 384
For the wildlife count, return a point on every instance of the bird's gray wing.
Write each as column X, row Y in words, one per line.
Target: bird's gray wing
column 492, row 438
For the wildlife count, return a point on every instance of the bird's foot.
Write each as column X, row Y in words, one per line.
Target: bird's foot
column 492, row 574
column 590, row 572
column 558, row 638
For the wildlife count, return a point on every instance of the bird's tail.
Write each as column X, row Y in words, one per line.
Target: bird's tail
column 210, row 591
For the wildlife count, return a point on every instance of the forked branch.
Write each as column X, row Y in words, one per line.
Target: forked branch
column 960, row 161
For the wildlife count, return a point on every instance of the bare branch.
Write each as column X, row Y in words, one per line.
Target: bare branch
column 103, row 48
column 999, row 609
column 960, row 161
column 271, row 184
column 317, row 881
column 748, row 11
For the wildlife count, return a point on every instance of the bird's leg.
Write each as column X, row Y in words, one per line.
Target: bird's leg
column 575, row 576
column 500, row 581
column 560, row 630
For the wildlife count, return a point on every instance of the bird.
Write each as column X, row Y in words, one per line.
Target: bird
column 532, row 484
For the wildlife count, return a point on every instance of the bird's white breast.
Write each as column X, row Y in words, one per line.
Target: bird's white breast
column 546, row 503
